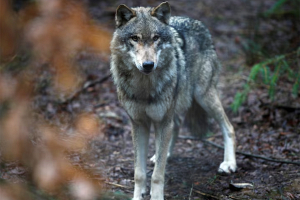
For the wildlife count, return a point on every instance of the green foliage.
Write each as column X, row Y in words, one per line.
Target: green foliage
column 275, row 8
column 270, row 77
column 295, row 89
column 278, row 8
column 267, row 50
column 240, row 98
column 263, row 42
column 213, row 179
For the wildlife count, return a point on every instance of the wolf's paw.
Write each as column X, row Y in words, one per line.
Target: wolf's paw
column 227, row 167
column 157, row 192
column 153, row 158
column 139, row 191
column 139, row 197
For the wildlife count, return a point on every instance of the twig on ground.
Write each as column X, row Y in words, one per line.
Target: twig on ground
column 232, row 197
column 97, row 81
column 183, row 137
column 242, row 153
column 191, row 191
column 204, row 194
column 288, row 108
column 87, row 85
column 117, row 185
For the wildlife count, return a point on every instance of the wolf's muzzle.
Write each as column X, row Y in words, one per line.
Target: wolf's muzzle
column 148, row 66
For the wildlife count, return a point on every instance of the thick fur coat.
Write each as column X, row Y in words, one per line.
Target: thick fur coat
column 164, row 67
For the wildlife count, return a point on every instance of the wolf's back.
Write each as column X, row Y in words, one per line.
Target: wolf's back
column 192, row 29
column 197, row 47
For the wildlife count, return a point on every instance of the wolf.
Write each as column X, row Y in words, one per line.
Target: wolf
column 164, row 67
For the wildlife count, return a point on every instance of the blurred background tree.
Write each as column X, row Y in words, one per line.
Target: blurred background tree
column 39, row 46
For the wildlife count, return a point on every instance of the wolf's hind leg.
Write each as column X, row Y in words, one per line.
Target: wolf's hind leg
column 140, row 137
column 177, row 123
column 210, row 102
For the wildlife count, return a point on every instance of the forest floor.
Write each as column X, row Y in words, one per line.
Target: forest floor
column 263, row 127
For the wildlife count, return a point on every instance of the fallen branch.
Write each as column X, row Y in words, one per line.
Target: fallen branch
column 242, row 153
column 232, row 197
column 117, row 185
column 255, row 156
column 97, row 81
column 183, row 137
column 87, row 85
column 191, row 191
column 204, row 194
column 288, row 108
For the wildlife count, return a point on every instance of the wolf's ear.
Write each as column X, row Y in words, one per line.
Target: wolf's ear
column 162, row 12
column 123, row 15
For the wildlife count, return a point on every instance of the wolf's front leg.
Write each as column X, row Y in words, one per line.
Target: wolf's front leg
column 163, row 134
column 140, row 137
column 177, row 123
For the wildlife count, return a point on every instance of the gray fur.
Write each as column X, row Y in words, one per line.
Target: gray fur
column 183, row 80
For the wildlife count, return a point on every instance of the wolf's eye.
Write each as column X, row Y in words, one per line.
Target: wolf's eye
column 135, row 38
column 155, row 38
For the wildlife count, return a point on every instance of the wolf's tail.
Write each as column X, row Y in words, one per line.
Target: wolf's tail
column 197, row 120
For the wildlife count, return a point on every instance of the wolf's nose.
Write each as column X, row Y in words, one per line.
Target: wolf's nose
column 148, row 65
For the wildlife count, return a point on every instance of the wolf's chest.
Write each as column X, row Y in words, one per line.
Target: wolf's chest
column 155, row 111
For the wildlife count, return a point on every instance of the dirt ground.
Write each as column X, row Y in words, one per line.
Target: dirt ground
column 264, row 128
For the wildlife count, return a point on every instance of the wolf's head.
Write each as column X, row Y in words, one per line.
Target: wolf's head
column 143, row 36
